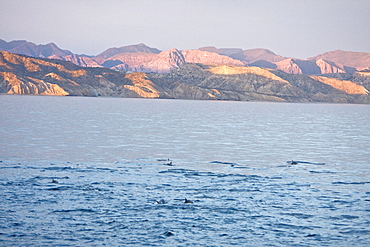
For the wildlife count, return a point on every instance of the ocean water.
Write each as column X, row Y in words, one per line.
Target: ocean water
column 80, row 171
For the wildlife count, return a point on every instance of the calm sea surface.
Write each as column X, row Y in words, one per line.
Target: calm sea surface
column 95, row 171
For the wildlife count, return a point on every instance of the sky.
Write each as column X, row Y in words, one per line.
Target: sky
column 291, row 28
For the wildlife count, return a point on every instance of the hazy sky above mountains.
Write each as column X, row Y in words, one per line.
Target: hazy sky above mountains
column 293, row 28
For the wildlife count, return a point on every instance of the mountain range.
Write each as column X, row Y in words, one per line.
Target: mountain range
column 142, row 58
column 21, row 74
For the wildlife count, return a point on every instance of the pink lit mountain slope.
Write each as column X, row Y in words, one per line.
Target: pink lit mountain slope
column 142, row 58
column 20, row 74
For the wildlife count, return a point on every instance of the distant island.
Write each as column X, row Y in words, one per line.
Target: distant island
column 207, row 73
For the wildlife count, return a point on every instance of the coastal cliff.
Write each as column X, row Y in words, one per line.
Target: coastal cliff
column 28, row 75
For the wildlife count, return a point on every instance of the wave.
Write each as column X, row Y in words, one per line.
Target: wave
column 83, row 210
column 351, row 183
column 295, row 162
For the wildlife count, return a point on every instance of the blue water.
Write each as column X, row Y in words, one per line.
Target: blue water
column 89, row 171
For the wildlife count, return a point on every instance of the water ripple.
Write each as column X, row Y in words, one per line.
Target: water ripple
column 117, row 204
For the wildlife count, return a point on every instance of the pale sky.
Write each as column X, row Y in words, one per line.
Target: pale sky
column 292, row 28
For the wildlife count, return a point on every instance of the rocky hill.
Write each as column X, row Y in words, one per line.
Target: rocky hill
column 128, row 49
column 30, row 49
column 142, row 58
column 326, row 63
column 27, row 75
column 358, row 60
